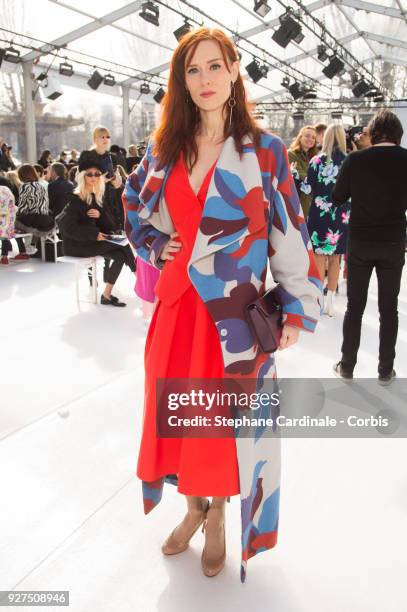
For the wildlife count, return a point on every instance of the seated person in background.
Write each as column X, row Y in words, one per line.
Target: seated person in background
column 86, row 224
column 7, row 181
column 63, row 158
column 6, row 160
column 72, row 175
column 42, row 174
column 133, row 158
column 33, row 205
column 74, row 158
column 59, row 189
column 8, row 211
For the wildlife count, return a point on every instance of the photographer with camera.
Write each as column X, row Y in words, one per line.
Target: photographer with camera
column 374, row 179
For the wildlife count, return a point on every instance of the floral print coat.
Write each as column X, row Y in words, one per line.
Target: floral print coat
column 327, row 224
column 8, row 211
column 251, row 217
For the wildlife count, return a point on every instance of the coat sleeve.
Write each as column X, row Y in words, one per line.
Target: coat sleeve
column 72, row 229
column 291, row 257
column 146, row 239
column 341, row 191
column 310, row 181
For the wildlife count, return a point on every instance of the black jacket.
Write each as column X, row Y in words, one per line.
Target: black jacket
column 375, row 180
column 59, row 192
column 79, row 231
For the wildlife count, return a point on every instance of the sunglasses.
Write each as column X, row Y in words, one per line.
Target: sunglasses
column 93, row 174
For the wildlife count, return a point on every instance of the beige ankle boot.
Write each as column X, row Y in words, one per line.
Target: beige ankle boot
column 173, row 545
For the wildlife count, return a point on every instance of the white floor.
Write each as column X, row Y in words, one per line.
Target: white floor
column 71, row 513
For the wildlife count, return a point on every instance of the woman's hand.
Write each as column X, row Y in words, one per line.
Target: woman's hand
column 288, row 337
column 94, row 213
column 117, row 180
column 101, row 236
column 172, row 246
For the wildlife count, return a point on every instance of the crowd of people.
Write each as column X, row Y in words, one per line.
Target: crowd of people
column 79, row 197
column 34, row 199
column 354, row 200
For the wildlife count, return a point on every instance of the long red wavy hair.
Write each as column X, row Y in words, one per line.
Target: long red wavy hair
column 180, row 118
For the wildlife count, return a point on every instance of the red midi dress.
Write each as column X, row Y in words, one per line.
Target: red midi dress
column 183, row 342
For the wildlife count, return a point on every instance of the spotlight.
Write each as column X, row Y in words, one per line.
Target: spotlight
column 360, row 88
column 296, row 90
column 12, row 55
column 181, row 31
column 289, row 30
column 336, row 114
column 261, row 7
column 310, row 93
column 372, row 93
column 334, row 67
column 150, row 12
column 379, row 98
column 95, row 80
column 66, row 69
column 144, row 88
column 255, row 71
column 298, row 115
column 52, row 88
column 41, row 77
column 285, row 82
column 159, row 94
column 109, row 80
column 322, row 53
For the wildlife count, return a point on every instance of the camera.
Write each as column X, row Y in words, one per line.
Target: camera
column 351, row 132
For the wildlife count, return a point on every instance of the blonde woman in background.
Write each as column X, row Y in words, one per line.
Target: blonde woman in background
column 327, row 224
column 302, row 149
column 86, row 224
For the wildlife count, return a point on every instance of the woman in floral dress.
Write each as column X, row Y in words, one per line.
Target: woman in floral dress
column 327, row 225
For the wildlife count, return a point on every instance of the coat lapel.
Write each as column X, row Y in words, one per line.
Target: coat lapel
column 231, row 210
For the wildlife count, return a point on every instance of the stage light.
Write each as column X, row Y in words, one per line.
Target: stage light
column 159, row 94
column 66, row 69
column 336, row 114
column 289, row 30
column 51, row 88
column 334, row 67
column 144, row 88
column 285, row 82
column 261, row 7
column 150, row 12
column 379, row 98
column 181, row 31
column 372, row 93
column 360, row 88
column 255, row 71
column 41, row 77
column 310, row 94
column 296, row 90
column 12, row 55
column 322, row 53
column 109, row 80
column 96, row 79
column 298, row 115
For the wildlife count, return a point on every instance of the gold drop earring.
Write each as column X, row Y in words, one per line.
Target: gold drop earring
column 231, row 101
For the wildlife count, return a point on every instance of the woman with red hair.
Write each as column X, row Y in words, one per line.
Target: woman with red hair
column 212, row 200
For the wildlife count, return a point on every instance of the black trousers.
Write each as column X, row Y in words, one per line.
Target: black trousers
column 116, row 254
column 6, row 246
column 388, row 260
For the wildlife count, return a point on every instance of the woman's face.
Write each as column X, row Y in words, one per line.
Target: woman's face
column 102, row 141
column 308, row 140
column 207, row 77
column 92, row 177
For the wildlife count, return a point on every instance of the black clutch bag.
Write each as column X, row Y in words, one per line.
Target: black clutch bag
column 265, row 319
